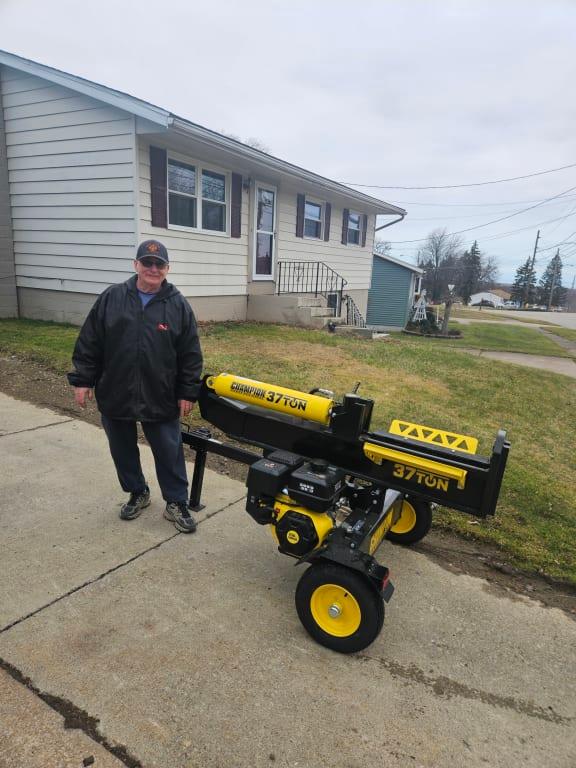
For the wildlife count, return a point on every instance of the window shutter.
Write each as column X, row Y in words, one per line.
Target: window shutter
column 236, row 206
column 364, row 228
column 300, row 215
column 158, row 191
column 345, row 214
column 327, row 216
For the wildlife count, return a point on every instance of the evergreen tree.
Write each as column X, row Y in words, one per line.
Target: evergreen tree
column 524, row 288
column 550, row 290
column 470, row 273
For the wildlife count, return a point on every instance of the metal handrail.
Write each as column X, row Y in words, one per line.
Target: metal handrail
column 313, row 277
column 353, row 315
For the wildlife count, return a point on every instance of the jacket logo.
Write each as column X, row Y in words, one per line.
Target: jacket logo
column 162, row 327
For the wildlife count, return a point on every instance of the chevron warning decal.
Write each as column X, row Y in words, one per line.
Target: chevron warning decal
column 440, row 437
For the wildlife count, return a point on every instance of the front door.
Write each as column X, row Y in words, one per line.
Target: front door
column 264, row 232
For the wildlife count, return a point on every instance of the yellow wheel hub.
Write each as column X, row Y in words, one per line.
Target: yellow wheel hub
column 407, row 519
column 335, row 610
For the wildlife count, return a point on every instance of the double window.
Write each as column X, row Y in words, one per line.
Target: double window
column 312, row 220
column 197, row 197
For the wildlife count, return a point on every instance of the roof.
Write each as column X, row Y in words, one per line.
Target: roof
column 163, row 120
column 400, row 263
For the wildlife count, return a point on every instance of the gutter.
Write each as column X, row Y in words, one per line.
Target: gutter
column 214, row 139
column 400, row 218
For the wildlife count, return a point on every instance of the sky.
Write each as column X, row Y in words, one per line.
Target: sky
column 371, row 93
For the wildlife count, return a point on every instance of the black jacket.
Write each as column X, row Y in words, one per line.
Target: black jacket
column 141, row 361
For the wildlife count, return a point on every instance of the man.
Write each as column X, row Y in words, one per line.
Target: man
column 139, row 350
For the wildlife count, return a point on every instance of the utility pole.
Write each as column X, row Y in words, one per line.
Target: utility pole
column 554, row 275
column 531, row 268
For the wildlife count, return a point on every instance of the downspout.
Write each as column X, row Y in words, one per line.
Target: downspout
column 402, row 216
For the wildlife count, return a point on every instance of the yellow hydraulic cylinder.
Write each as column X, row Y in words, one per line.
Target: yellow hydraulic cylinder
column 281, row 399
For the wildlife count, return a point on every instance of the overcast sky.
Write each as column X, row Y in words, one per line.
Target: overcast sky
column 373, row 93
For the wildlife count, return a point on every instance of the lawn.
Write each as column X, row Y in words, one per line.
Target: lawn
column 493, row 314
column 421, row 381
column 566, row 333
column 500, row 337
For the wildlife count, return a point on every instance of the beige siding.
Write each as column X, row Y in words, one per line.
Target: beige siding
column 201, row 264
column 352, row 262
column 71, row 171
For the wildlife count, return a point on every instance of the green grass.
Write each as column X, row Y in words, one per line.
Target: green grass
column 421, row 381
column 494, row 314
column 566, row 333
column 499, row 337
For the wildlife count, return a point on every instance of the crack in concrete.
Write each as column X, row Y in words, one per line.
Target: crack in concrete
column 445, row 687
column 109, row 571
column 86, row 584
column 34, row 429
column 74, row 717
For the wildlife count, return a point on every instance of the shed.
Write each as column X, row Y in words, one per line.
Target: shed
column 391, row 296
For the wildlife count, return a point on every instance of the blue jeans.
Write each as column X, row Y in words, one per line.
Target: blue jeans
column 165, row 439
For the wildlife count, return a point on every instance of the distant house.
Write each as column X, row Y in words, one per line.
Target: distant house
column 487, row 298
column 87, row 172
column 393, row 288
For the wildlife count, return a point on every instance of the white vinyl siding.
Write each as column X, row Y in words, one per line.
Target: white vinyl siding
column 71, row 162
column 201, row 263
column 354, row 264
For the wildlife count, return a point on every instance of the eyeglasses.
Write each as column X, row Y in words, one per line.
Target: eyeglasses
column 153, row 263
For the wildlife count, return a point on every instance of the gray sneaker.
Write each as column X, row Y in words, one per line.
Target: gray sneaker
column 138, row 501
column 179, row 514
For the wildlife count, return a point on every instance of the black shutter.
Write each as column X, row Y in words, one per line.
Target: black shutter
column 364, row 228
column 158, row 187
column 327, row 216
column 345, row 214
column 300, row 215
column 236, row 206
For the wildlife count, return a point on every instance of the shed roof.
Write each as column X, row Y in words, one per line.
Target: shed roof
column 400, row 263
column 162, row 120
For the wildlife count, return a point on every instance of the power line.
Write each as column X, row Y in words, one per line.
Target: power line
column 469, row 205
column 472, row 184
column 488, row 223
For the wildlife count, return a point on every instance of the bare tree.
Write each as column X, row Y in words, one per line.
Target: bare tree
column 251, row 141
column 438, row 257
column 382, row 247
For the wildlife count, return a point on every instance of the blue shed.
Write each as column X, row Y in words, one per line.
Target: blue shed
column 392, row 290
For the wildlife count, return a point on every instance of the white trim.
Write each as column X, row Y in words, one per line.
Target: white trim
column 262, row 185
column 359, row 230
column 199, row 169
column 136, row 180
column 322, row 206
column 167, row 120
column 401, row 263
column 156, row 115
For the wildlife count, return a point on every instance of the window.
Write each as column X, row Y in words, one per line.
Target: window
column 312, row 220
column 181, row 194
column 190, row 207
column 354, row 228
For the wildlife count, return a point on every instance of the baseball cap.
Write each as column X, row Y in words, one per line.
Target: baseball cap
column 152, row 248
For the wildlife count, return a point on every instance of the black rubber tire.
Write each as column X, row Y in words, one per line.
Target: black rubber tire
column 421, row 526
column 366, row 596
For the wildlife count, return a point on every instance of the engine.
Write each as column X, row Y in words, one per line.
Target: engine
column 297, row 498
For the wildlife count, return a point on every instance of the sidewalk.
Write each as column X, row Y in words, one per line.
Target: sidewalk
column 178, row 651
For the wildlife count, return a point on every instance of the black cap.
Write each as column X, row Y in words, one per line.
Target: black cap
column 152, row 248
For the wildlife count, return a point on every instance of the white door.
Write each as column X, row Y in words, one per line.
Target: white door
column 264, row 232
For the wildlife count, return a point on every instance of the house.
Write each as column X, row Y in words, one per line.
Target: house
column 87, row 172
column 486, row 298
column 391, row 296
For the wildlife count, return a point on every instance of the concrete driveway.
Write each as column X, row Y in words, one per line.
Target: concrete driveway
column 164, row 650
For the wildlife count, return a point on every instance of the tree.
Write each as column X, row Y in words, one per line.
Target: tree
column 382, row 247
column 524, row 288
column 470, row 272
column 550, row 291
column 438, row 257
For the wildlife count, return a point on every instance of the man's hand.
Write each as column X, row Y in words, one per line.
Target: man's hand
column 185, row 407
column 81, row 394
